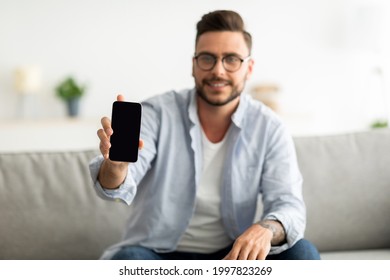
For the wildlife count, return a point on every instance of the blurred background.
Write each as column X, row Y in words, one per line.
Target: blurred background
column 322, row 65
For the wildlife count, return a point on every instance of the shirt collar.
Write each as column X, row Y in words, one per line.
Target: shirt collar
column 237, row 117
column 193, row 108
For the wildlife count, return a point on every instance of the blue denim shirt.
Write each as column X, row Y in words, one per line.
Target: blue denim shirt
column 161, row 186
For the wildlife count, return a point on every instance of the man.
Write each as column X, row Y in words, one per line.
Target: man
column 208, row 153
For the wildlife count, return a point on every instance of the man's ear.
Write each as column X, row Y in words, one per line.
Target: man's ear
column 251, row 63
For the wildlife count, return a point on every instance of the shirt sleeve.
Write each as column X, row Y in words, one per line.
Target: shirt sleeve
column 281, row 188
column 124, row 193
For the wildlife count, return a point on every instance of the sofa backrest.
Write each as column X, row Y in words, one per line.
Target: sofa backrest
column 347, row 189
column 49, row 209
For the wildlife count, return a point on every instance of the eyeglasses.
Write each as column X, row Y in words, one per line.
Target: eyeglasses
column 231, row 63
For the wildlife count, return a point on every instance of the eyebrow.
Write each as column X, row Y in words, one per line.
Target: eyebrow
column 223, row 55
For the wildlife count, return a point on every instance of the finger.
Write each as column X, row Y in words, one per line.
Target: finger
column 262, row 255
column 102, row 135
column 104, row 142
column 106, row 124
column 243, row 255
column 254, row 255
column 263, row 252
column 104, row 139
column 227, row 257
column 232, row 255
column 120, row 97
column 103, row 151
column 141, row 144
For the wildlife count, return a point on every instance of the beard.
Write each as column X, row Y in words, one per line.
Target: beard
column 235, row 92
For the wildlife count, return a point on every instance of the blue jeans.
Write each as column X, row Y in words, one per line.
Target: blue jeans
column 302, row 250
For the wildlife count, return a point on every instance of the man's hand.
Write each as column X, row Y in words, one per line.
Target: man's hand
column 253, row 244
column 106, row 131
column 111, row 173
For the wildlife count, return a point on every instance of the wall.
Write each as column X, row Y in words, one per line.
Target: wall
column 323, row 54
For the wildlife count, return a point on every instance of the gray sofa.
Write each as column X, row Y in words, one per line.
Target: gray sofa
column 49, row 209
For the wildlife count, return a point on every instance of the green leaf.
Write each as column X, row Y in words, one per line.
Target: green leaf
column 70, row 89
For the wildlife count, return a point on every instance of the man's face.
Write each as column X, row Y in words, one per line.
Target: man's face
column 217, row 86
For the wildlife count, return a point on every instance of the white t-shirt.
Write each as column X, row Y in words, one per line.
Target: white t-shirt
column 206, row 233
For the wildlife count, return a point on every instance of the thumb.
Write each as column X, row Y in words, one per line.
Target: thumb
column 120, row 97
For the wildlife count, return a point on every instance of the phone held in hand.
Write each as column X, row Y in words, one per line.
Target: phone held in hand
column 126, row 124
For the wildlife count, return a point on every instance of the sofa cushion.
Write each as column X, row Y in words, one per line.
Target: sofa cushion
column 347, row 189
column 49, row 209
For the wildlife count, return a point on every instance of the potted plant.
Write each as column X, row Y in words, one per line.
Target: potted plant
column 380, row 124
column 71, row 92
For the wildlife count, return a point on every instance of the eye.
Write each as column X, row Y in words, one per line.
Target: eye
column 205, row 58
column 231, row 59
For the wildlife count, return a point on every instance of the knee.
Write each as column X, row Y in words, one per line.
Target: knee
column 305, row 250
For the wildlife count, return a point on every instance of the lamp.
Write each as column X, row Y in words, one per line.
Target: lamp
column 27, row 82
column 27, row 79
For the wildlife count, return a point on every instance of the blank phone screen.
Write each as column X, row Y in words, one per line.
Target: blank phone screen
column 126, row 124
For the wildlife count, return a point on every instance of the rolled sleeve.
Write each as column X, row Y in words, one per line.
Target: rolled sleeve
column 124, row 193
column 293, row 233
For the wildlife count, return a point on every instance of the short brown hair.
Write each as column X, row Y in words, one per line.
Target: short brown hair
column 223, row 20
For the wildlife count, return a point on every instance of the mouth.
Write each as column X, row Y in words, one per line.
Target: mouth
column 217, row 85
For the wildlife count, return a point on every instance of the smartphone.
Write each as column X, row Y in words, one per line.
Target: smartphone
column 126, row 124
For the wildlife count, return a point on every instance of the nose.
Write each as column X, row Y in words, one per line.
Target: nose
column 218, row 69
